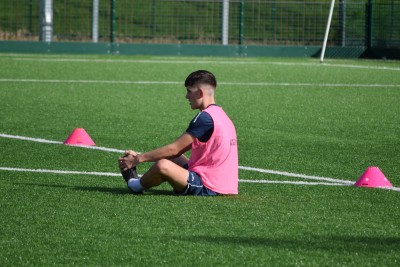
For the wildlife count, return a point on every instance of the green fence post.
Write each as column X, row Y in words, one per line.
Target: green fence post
column 30, row 17
column 368, row 24
column 153, row 18
column 241, row 22
column 342, row 19
column 241, row 28
column 273, row 10
column 112, row 26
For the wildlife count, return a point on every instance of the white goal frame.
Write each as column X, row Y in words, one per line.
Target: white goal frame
column 328, row 26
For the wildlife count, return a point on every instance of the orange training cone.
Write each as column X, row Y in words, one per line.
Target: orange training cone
column 79, row 137
column 373, row 177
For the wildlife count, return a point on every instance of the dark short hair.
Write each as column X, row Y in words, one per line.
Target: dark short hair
column 201, row 76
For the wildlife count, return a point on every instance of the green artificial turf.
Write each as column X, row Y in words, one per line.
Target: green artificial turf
column 292, row 115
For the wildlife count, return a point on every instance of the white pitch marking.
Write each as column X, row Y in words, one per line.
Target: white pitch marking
column 391, row 188
column 291, row 182
column 40, row 140
column 297, row 175
column 59, row 171
column 151, row 61
column 361, row 67
column 219, row 62
column 102, row 148
column 109, row 174
column 288, row 174
column 334, row 65
column 308, row 84
column 179, row 83
column 117, row 174
column 87, row 81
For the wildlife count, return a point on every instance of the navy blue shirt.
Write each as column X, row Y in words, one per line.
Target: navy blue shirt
column 201, row 127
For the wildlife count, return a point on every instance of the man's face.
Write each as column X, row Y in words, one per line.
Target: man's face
column 194, row 94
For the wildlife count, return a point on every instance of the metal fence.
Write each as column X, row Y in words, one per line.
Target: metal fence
column 385, row 24
column 251, row 22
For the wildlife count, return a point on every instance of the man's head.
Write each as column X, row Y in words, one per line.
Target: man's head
column 201, row 77
column 200, row 86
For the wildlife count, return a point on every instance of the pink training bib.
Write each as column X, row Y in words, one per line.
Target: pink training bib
column 216, row 161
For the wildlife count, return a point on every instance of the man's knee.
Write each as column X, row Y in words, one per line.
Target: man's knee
column 163, row 166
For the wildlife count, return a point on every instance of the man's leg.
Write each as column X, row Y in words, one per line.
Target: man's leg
column 165, row 171
column 182, row 161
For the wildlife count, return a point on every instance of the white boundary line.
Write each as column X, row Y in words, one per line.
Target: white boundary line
column 40, row 140
column 328, row 181
column 179, row 83
column 59, row 171
column 334, row 65
column 111, row 174
column 291, row 182
column 287, row 174
column 88, row 81
column 117, row 174
column 297, row 175
column 191, row 61
column 145, row 61
column 37, row 140
column 361, row 67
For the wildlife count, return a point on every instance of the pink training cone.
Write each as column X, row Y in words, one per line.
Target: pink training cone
column 79, row 137
column 373, row 177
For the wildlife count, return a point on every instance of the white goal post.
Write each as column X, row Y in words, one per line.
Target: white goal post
column 328, row 25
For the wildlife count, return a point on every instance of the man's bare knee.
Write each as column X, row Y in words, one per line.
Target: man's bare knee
column 163, row 166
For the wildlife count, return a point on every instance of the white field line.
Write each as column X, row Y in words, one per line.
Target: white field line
column 361, row 67
column 180, row 83
column 40, row 140
column 111, row 174
column 309, row 183
column 334, row 65
column 88, row 81
column 117, row 174
column 309, row 84
column 287, row 174
column 37, row 140
column 297, row 175
column 145, row 61
column 59, row 171
column 216, row 62
column 291, row 182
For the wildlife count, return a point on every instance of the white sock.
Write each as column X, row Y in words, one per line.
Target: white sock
column 135, row 186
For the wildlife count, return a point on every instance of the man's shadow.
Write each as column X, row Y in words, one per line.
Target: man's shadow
column 108, row 190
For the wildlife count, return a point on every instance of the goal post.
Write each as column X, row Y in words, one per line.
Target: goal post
column 95, row 21
column 328, row 25
column 225, row 22
column 46, row 21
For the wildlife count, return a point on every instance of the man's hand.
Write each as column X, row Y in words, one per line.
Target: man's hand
column 129, row 160
column 130, row 152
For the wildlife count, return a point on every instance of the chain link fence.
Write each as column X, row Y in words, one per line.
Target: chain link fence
column 385, row 24
column 251, row 22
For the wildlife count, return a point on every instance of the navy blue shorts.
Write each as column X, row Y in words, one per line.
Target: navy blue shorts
column 195, row 187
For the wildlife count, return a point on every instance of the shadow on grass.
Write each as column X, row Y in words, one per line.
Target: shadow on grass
column 118, row 191
column 122, row 191
column 330, row 243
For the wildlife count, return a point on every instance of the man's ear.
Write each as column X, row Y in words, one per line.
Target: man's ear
column 202, row 91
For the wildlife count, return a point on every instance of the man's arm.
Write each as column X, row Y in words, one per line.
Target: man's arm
column 175, row 149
